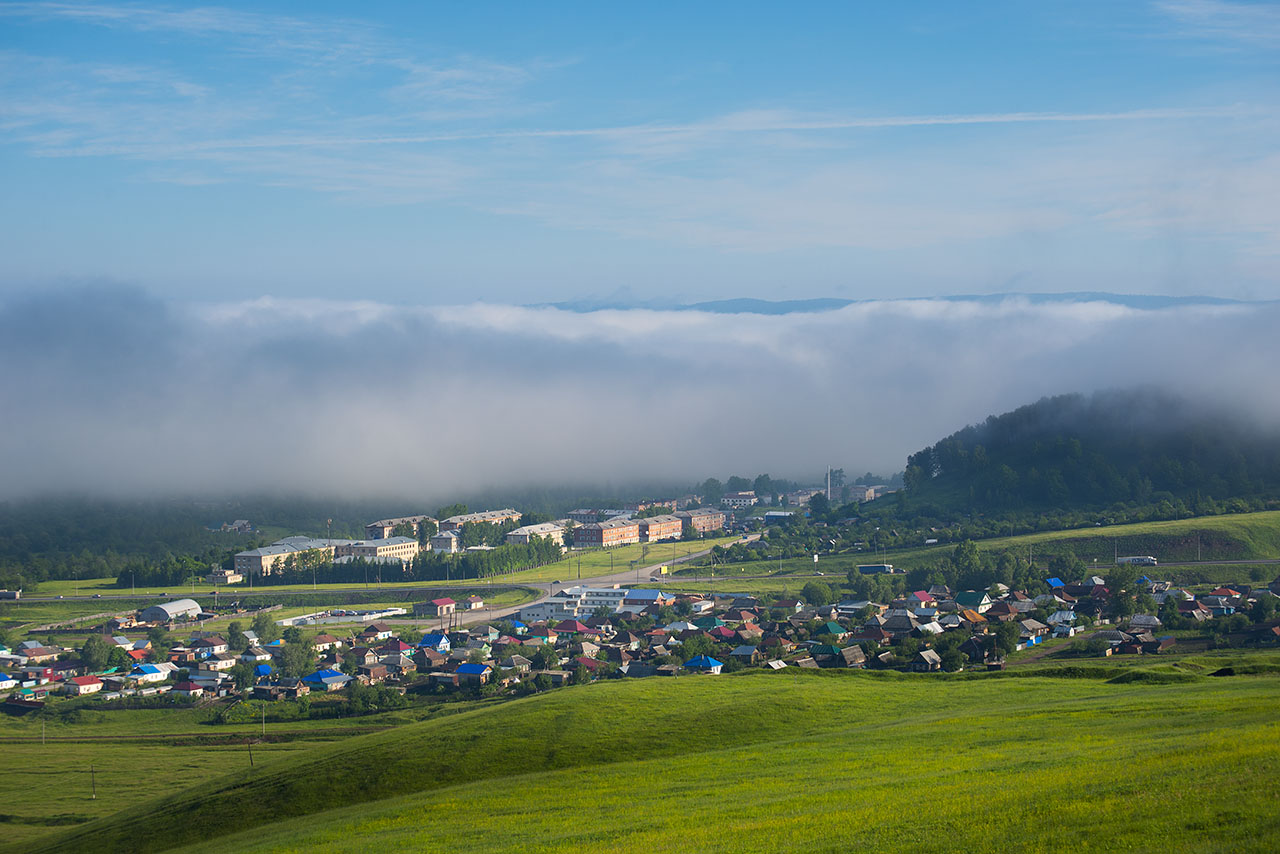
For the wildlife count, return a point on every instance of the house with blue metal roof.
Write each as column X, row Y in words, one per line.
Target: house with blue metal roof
column 704, row 664
column 437, row 641
column 327, row 680
column 473, row 672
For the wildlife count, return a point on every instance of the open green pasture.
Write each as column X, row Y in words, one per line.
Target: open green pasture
column 1207, row 538
column 814, row 760
column 47, row 787
column 605, row 561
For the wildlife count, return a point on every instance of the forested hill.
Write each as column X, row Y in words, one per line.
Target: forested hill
column 1093, row 452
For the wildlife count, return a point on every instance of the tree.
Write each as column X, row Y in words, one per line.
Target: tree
column 1122, row 584
column 96, row 652
column 819, row 506
column 293, row 635
column 297, row 659
column 235, row 637
column 1007, row 637
column 697, row 645
column 546, row 658
column 952, row 660
column 763, row 485
column 816, row 593
column 265, row 628
column 244, row 675
column 426, row 530
column 451, row 510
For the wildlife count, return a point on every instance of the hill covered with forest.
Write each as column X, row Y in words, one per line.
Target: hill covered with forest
column 1119, row 449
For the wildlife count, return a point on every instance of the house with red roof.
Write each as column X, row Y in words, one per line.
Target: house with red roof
column 922, row 599
column 80, row 685
column 441, row 607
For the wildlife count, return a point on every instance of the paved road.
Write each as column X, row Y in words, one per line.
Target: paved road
column 641, row 575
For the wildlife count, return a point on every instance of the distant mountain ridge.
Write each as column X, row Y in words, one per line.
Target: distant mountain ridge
column 749, row 305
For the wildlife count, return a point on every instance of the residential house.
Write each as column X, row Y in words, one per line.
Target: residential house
column 474, row 673
column 80, row 685
column 974, row 600
column 704, row 664
column 437, row 641
column 323, row 643
column 327, row 680
column 926, row 661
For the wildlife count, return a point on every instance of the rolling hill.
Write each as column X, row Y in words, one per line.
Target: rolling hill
column 1136, row 447
column 814, row 761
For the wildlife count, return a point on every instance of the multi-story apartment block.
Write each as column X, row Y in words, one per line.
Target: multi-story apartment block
column 403, row 549
column 522, row 536
column 447, row 542
column 735, row 500
column 704, row 519
column 382, row 529
column 491, row 517
column 615, row 532
column 268, row 559
column 655, row 528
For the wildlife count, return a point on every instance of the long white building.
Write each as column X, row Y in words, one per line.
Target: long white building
column 574, row 602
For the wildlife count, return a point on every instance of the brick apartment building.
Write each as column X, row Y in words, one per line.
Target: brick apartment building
column 704, row 519
column 615, row 532
column 655, row 528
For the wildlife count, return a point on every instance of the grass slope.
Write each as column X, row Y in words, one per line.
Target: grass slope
column 1209, row 538
column 818, row 761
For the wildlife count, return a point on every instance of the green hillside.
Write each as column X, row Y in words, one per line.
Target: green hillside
column 814, row 761
column 1244, row 536
column 1139, row 447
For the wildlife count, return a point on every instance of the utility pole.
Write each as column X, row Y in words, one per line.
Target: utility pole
column 93, row 783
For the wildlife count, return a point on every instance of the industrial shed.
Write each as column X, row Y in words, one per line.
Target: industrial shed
column 168, row 611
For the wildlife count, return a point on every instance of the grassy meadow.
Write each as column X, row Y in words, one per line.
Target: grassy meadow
column 599, row 561
column 1067, row 757
column 1210, row 539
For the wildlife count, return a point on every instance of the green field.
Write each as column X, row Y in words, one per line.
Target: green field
column 135, row 754
column 1208, row 538
column 813, row 761
column 596, row 562
column 606, row 561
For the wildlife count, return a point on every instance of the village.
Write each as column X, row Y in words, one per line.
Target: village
column 582, row 634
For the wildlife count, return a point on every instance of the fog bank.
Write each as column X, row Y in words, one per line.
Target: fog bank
column 117, row 392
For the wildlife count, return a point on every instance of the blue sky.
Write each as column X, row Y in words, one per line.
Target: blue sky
column 433, row 153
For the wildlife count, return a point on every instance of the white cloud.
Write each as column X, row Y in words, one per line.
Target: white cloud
column 117, row 392
column 1255, row 24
